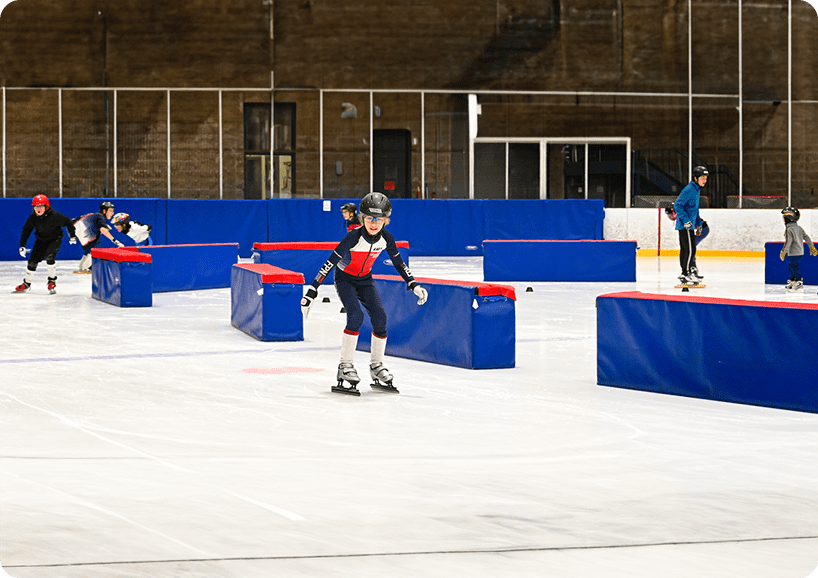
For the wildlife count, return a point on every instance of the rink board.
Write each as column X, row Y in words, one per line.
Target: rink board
column 266, row 302
column 122, row 278
column 777, row 272
column 545, row 260
column 464, row 324
column 189, row 267
column 750, row 352
column 308, row 258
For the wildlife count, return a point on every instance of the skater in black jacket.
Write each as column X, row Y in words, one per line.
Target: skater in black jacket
column 354, row 256
column 47, row 225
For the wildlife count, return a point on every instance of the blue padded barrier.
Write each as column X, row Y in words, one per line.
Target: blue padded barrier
column 559, row 260
column 464, row 324
column 122, row 278
column 777, row 272
column 431, row 226
column 207, row 222
column 307, row 258
column 266, row 302
column 568, row 219
column 188, row 267
column 750, row 352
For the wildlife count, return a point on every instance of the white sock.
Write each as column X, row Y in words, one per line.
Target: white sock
column 85, row 262
column 29, row 276
column 52, row 270
column 378, row 349
column 348, row 344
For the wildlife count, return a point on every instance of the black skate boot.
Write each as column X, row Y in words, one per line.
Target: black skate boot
column 22, row 287
column 378, row 373
column 52, row 285
column 346, row 372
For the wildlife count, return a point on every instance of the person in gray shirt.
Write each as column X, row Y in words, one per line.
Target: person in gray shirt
column 794, row 237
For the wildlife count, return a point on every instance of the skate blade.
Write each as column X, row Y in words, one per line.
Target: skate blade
column 691, row 286
column 387, row 388
column 83, row 272
column 346, row 390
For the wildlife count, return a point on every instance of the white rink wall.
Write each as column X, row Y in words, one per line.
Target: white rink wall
column 730, row 229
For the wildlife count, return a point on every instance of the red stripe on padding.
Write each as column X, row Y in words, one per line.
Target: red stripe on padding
column 148, row 247
column 272, row 274
column 482, row 289
column 318, row 246
column 711, row 300
column 120, row 255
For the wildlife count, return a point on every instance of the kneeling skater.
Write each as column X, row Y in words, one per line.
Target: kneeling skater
column 354, row 257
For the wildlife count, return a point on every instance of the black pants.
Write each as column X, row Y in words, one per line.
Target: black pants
column 687, row 250
column 44, row 251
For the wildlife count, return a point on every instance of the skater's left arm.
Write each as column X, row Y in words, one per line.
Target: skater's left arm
column 812, row 250
column 403, row 269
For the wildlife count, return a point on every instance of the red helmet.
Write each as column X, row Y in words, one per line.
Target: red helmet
column 40, row 200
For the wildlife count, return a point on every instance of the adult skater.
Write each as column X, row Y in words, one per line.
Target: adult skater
column 701, row 234
column 47, row 225
column 794, row 237
column 89, row 228
column 139, row 232
column 354, row 256
column 688, row 222
column 350, row 214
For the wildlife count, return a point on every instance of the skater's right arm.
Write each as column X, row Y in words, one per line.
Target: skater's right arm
column 27, row 228
column 312, row 292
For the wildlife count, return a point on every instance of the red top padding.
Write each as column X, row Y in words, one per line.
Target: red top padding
column 711, row 300
column 482, row 289
column 120, row 255
column 322, row 246
column 557, row 241
column 272, row 274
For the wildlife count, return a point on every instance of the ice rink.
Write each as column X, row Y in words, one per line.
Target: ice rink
column 163, row 442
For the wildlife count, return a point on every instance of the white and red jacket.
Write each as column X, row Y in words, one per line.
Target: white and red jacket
column 358, row 251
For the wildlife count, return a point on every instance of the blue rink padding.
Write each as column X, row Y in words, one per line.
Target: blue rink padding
column 266, row 302
column 544, row 260
column 463, row 323
column 431, row 226
column 189, row 267
column 122, row 278
column 750, row 352
column 308, row 258
column 777, row 272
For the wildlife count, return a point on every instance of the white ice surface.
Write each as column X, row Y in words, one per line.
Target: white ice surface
column 139, row 442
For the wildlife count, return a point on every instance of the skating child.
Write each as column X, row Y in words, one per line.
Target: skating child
column 350, row 213
column 354, row 257
column 139, row 232
column 701, row 234
column 688, row 223
column 89, row 227
column 47, row 225
column 794, row 237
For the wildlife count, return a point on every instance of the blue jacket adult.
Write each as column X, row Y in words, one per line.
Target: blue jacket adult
column 687, row 206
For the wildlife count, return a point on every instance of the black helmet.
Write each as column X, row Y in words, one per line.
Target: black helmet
column 791, row 214
column 350, row 207
column 376, row 205
column 700, row 171
column 104, row 206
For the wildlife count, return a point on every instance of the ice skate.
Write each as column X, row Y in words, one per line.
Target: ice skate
column 346, row 372
column 795, row 286
column 694, row 273
column 52, row 285
column 379, row 373
column 689, row 281
column 22, row 287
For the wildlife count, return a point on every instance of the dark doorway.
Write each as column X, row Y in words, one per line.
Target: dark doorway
column 392, row 162
column 261, row 179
